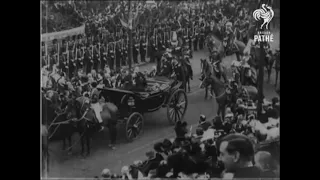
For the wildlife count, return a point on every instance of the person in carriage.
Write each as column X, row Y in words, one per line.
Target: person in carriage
column 139, row 80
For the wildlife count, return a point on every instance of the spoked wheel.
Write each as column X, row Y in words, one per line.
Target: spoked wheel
column 134, row 126
column 177, row 106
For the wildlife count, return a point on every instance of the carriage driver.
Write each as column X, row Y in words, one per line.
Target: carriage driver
column 95, row 105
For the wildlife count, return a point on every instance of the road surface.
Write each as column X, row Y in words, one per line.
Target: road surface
column 156, row 129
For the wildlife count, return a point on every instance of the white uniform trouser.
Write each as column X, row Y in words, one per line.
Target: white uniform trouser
column 97, row 109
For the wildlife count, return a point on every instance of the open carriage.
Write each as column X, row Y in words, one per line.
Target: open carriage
column 160, row 92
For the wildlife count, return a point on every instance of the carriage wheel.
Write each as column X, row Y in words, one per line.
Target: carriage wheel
column 134, row 126
column 177, row 106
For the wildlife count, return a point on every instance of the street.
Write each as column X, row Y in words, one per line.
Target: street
column 156, row 129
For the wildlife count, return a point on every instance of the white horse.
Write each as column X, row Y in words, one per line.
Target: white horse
column 271, row 128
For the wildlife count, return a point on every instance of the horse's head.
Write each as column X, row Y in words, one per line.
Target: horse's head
column 77, row 106
column 204, row 81
column 71, row 109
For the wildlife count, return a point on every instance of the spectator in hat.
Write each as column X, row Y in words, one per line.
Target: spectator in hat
column 276, row 104
column 125, row 173
column 90, row 78
column 198, row 135
column 203, row 123
column 167, row 146
column 151, row 163
column 236, row 153
column 264, row 114
column 106, row 173
column 158, row 147
column 217, row 123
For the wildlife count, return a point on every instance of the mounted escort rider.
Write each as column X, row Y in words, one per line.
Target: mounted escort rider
column 250, row 75
column 216, row 60
column 95, row 104
column 186, row 54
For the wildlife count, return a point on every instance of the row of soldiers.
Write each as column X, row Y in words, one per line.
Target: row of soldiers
column 111, row 49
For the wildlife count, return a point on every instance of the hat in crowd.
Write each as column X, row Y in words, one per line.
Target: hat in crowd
column 229, row 24
column 239, row 101
column 166, row 143
column 266, row 102
column 150, row 155
column 124, row 169
column 94, row 84
column 199, row 132
column 275, row 100
column 106, row 173
column 158, row 147
column 202, row 118
column 136, row 69
column 229, row 115
column 137, row 163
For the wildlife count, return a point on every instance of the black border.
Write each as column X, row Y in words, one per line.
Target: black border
column 23, row 57
column 22, row 128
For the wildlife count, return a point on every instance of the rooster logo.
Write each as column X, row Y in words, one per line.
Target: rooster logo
column 266, row 13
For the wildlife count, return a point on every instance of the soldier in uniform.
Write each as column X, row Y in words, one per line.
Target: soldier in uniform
column 153, row 47
column 111, row 54
column 135, row 47
column 125, row 48
column 202, row 36
column 161, row 49
column 196, row 37
column 54, row 50
column 167, row 36
column 143, row 47
column 71, row 64
column 190, row 36
column 87, row 55
column 103, row 52
column 118, row 53
column 82, row 51
column 122, row 57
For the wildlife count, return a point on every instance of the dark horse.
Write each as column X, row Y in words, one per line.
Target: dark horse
column 56, row 123
column 219, row 89
column 87, row 125
column 55, row 115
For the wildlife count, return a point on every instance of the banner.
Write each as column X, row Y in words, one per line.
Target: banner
column 62, row 34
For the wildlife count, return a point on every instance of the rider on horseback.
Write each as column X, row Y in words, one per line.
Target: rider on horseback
column 95, row 105
column 186, row 55
column 216, row 60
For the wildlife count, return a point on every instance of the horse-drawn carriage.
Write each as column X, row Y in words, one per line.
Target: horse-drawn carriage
column 160, row 92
